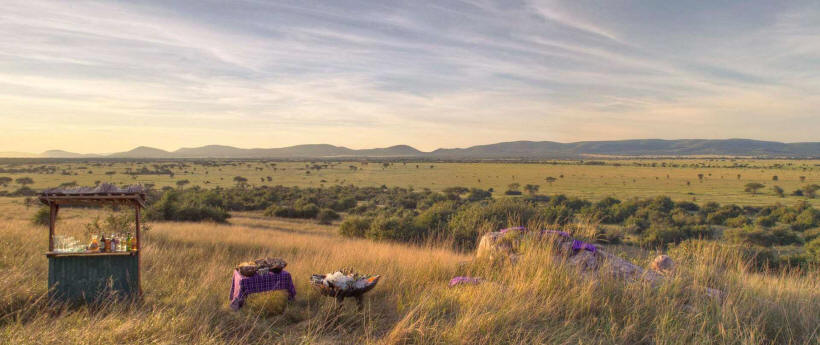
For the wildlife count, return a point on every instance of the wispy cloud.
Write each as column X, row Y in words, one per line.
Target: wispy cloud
column 428, row 74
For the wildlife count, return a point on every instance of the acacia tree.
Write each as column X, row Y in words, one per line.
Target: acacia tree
column 532, row 188
column 5, row 180
column 753, row 187
column 551, row 179
column 182, row 183
column 240, row 181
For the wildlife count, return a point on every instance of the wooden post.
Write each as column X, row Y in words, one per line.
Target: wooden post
column 52, row 218
column 139, row 246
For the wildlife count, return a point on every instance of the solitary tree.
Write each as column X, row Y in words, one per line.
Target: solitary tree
column 774, row 178
column 532, row 188
column 778, row 191
column 700, row 177
column 802, row 179
column 182, row 183
column 551, row 179
column 24, row 181
column 5, row 180
column 753, row 187
column 240, row 181
column 514, row 186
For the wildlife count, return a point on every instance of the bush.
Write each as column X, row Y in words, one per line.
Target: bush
column 24, row 191
column 301, row 210
column 660, row 235
column 737, row 222
column 478, row 194
column 344, row 204
column 434, row 220
column 42, row 216
column 327, row 216
column 766, row 221
column 354, row 226
column 174, row 207
column 811, row 234
column 813, row 249
column 473, row 220
column 806, row 219
column 391, row 227
column 762, row 236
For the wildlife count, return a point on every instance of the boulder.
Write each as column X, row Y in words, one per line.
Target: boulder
column 663, row 264
column 493, row 245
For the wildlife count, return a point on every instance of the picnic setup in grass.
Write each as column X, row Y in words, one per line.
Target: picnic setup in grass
column 263, row 276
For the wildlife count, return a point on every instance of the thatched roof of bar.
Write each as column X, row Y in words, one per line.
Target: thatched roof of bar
column 102, row 193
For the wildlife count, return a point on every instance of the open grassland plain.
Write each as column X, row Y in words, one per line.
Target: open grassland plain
column 699, row 180
column 187, row 270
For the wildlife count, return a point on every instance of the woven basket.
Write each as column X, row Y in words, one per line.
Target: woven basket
column 247, row 269
column 275, row 265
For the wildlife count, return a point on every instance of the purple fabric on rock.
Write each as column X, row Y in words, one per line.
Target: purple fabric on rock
column 517, row 228
column 576, row 245
column 464, row 280
column 242, row 286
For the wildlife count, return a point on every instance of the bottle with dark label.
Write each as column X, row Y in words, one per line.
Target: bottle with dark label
column 103, row 243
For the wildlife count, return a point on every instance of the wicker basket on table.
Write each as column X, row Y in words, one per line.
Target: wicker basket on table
column 247, row 269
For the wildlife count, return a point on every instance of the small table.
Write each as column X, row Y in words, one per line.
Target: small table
column 243, row 286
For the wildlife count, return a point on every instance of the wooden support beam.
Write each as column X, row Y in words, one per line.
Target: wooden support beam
column 52, row 218
column 137, row 206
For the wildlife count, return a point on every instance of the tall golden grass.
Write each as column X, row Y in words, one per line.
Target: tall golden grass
column 187, row 271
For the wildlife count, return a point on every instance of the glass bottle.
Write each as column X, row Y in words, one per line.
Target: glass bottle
column 95, row 244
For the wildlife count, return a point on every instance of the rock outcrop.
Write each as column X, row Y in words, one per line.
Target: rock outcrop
column 495, row 246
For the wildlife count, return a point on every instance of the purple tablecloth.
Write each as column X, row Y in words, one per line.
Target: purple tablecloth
column 242, row 286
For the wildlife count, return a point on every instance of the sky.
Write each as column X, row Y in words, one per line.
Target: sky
column 88, row 76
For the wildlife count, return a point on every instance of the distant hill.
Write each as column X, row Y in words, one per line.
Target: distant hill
column 505, row 150
column 142, row 152
column 640, row 147
column 66, row 154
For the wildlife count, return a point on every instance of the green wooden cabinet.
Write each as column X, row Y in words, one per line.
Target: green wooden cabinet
column 78, row 277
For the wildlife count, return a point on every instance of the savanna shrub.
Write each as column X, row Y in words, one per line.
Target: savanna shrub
column 473, row 220
column 433, row 221
column 327, row 216
column 737, row 222
column 174, row 207
column 354, row 226
column 762, row 236
column 813, row 249
column 42, row 216
column 391, row 227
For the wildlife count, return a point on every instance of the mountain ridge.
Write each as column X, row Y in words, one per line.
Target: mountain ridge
column 522, row 149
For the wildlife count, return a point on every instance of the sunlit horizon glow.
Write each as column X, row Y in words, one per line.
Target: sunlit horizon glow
column 101, row 77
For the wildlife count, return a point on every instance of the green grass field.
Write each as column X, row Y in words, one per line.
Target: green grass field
column 618, row 178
